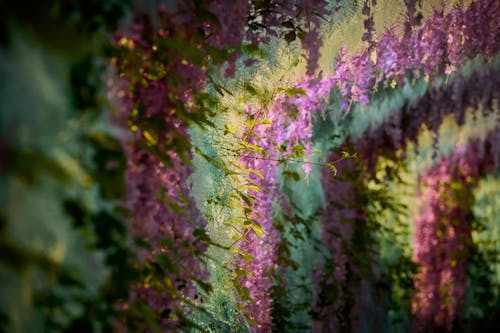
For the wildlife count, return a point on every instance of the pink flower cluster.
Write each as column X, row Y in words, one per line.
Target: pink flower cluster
column 442, row 237
column 163, row 215
column 263, row 249
column 289, row 124
column 438, row 46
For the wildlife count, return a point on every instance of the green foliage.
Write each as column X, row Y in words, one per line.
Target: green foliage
column 293, row 295
column 483, row 296
column 65, row 257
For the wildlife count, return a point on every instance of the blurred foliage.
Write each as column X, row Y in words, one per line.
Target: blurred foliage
column 64, row 257
column 483, row 280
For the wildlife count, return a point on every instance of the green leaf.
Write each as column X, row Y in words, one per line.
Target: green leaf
column 292, row 91
column 251, row 147
column 184, row 49
column 242, row 291
column 250, row 88
column 257, row 228
column 149, row 137
column 240, row 272
column 253, row 122
column 252, row 187
column 228, row 128
column 257, row 172
column 246, row 256
column 291, row 175
column 332, row 167
column 246, row 198
column 290, row 37
column 253, row 50
column 205, row 286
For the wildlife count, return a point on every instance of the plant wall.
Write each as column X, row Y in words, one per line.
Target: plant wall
column 250, row 166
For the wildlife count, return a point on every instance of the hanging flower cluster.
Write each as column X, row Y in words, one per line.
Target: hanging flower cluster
column 439, row 46
column 443, row 238
column 282, row 132
column 284, row 135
